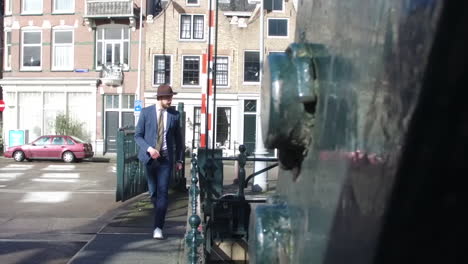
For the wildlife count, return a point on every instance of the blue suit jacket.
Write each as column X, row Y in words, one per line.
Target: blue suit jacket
column 146, row 134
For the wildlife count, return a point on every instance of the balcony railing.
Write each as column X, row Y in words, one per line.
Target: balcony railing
column 109, row 8
column 111, row 75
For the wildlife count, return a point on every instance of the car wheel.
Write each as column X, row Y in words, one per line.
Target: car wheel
column 68, row 157
column 18, row 155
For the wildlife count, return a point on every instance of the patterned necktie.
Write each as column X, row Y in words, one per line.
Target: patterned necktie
column 160, row 130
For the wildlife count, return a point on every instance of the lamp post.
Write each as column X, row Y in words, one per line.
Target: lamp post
column 138, row 88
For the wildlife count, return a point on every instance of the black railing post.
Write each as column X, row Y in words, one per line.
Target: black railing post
column 242, row 159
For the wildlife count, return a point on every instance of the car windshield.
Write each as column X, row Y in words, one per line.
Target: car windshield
column 78, row 139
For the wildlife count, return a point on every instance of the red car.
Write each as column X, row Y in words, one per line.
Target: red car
column 67, row 148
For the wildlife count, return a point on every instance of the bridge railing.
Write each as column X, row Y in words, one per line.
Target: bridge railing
column 194, row 237
column 219, row 209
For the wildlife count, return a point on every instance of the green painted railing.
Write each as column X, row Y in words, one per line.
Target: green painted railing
column 131, row 179
column 194, row 238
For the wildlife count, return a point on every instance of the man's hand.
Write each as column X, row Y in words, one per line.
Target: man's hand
column 153, row 153
column 178, row 166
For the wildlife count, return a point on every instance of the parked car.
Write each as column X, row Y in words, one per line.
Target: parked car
column 67, row 148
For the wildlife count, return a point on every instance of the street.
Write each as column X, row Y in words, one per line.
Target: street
column 51, row 209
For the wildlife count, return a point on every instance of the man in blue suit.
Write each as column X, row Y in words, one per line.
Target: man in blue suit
column 158, row 136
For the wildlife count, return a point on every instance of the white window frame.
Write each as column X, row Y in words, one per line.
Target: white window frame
column 63, row 11
column 192, row 16
column 112, row 41
column 277, row 18
column 199, row 72
column 30, row 68
column 7, row 59
column 72, row 45
column 170, row 69
column 192, row 4
column 282, row 7
column 8, row 7
column 228, row 72
column 39, row 11
column 244, row 82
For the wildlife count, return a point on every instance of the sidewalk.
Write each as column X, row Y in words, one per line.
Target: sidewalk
column 128, row 238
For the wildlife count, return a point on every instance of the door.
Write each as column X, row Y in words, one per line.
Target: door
column 250, row 128
column 112, row 126
column 57, row 146
column 40, row 148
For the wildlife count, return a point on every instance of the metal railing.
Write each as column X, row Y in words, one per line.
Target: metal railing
column 212, row 196
column 109, row 8
column 131, row 179
column 242, row 160
column 194, row 238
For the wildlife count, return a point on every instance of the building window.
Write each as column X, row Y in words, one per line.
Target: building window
column 251, row 66
column 54, row 106
column 31, row 50
column 191, row 70
column 223, row 127
column 7, row 50
column 162, row 70
column 63, row 53
column 277, row 27
column 112, row 46
column 32, row 7
column 64, row 6
column 192, row 27
column 192, row 2
column 128, row 101
column 277, row 5
column 222, row 71
column 196, row 127
column 250, row 106
column 8, row 7
column 112, row 101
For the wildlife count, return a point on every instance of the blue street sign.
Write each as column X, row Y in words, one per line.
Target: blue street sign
column 138, row 105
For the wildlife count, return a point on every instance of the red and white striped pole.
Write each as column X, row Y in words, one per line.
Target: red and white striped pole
column 207, row 106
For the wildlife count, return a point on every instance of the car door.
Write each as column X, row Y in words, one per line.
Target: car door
column 39, row 147
column 57, row 146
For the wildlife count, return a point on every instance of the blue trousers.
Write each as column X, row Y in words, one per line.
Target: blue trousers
column 158, row 174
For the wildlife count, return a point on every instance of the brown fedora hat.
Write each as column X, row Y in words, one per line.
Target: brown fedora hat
column 164, row 90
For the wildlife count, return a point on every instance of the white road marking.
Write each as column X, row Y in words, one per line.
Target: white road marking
column 16, row 167
column 60, row 167
column 55, row 180
column 21, row 191
column 10, row 175
column 61, row 175
column 45, row 197
column 1, row 186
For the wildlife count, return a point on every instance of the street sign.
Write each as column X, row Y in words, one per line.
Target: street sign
column 2, row 105
column 138, row 105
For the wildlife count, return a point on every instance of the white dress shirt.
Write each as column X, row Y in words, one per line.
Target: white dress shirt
column 164, row 144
